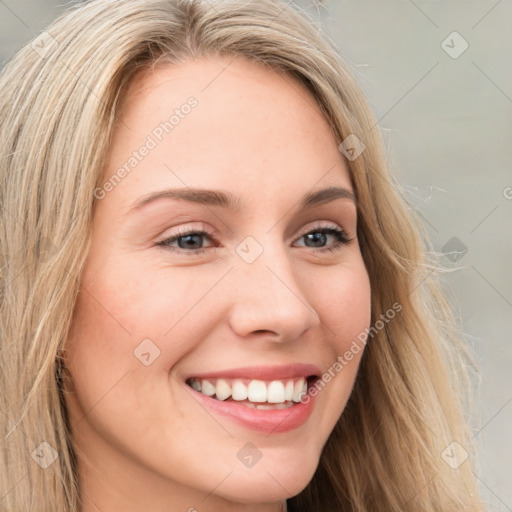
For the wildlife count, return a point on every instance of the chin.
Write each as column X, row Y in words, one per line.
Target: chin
column 270, row 482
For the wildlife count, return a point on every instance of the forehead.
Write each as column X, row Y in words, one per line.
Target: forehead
column 250, row 128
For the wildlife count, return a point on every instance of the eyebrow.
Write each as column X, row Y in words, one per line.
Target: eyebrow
column 225, row 199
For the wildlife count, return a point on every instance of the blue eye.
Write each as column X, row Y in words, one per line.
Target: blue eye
column 186, row 240
column 340, row 237
column 191, row 242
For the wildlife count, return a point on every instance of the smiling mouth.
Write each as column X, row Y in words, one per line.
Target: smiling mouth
column 255, row 393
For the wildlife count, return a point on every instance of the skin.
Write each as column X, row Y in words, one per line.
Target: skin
column 144, row 442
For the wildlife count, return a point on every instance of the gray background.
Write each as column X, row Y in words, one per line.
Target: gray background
column 447, row 123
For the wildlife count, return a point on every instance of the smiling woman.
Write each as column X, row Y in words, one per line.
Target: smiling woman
column 219, row 307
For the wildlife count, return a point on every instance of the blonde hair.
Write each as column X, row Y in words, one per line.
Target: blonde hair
column 60, row 98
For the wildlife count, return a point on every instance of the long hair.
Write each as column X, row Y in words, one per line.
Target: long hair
column 60, row 97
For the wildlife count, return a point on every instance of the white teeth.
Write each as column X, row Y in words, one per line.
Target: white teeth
column 275, row 392
column 282, row 393
column 239, row 391
column 300, row 387
column 207, row 388
column 288, row 391
column 222, row 390
column 257, row 391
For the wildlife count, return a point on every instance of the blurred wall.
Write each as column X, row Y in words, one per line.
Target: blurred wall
column 439, row 77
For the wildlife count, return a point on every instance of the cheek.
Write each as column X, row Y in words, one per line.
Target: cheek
column 343, row 301
column 98, row 348
column 126, row 312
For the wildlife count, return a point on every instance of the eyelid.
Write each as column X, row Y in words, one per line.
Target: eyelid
column 190, row 229
column 319, row 225
column 210, row 232
column 342, row 237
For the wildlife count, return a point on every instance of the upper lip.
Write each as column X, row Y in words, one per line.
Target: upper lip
column 261, row 372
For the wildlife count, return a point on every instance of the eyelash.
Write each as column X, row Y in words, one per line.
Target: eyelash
column 341, row 239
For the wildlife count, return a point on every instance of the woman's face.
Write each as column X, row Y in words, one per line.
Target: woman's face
column 272, row 293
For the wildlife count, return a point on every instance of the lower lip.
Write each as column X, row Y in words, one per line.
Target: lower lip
column 269, row 421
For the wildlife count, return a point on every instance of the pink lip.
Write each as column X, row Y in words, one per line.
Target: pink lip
column 261, row 372
column 268, row 421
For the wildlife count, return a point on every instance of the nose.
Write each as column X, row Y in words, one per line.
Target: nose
column 267, row 300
